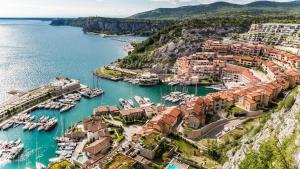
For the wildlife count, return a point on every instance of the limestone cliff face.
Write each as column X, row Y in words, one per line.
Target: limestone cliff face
column 283, row 124
column 113, row 25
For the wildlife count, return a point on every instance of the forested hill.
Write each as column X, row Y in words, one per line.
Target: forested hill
column 224, row 9
column 114, row 25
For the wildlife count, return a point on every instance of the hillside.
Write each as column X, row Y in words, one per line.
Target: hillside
column 186, row 37
column 275, row 143
column 219, row 9
column 113, row 25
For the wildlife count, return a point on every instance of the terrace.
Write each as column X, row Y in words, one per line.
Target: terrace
column 120, row 161
column 151, row 141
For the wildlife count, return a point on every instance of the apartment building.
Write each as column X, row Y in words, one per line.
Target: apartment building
column 273, row 34
column 233, row 73
column 215, row 46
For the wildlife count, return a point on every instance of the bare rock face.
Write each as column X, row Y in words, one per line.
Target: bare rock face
column 283, row 123
column 160, row 68
column 189, row 42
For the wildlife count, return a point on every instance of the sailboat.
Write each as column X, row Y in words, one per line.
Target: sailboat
column 38, row 164
column 27, row 162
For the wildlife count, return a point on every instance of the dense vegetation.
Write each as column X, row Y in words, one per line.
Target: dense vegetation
column 261, row 8
column 271, row 154
column 61, row 165
column 217, row 150
column 141, row 56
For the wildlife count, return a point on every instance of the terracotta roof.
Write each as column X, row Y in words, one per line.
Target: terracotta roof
column 131, row 111
column 102, row 109
column 98, row 146
column 113, row 108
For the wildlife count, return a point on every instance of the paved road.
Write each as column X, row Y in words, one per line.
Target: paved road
column 217, row 131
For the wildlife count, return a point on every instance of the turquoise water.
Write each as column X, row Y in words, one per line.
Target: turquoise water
column 172, row 166
column 32, row 53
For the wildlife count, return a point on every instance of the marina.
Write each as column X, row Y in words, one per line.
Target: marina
column 177, row 97
column 10, row 150
column 50, row 62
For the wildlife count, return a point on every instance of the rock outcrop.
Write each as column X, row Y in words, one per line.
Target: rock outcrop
column 189, row 42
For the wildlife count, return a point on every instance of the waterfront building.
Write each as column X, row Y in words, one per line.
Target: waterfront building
column 233, row 73
column 100, row 146
column 64, row 85
column 148, row 79
column 95, row 129
column 132, row 114
column 107, row 110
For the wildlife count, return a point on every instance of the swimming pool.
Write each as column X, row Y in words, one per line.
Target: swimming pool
column 172, row 166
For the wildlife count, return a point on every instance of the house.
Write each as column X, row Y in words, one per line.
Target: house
column 163, row 122
column 98, row 147
column 132, row 114
column 95, row 128
column 106, row 110
column 293, row 77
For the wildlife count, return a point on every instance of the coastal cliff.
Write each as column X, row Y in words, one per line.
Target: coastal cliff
column 113, row 25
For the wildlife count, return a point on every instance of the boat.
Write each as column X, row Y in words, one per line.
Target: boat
column 50, row 125
column 148, row 101
column 15, row 151
column 7, row 125
column 66, row 108
column 33, row 126
column 55, row 159
column 173, row 83
column 131, row 102
column 139, row 100
column 122, row 101
column 27, row 125
column 41, row 128
column 39, row 165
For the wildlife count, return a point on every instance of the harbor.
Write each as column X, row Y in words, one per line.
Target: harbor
column 86, row 49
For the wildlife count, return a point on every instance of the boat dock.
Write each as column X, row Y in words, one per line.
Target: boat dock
column 67, row 90
column 176, row 97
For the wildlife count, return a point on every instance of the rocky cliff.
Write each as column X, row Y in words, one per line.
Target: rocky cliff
column 283, row 127
column 113, row 25
column 190, row 41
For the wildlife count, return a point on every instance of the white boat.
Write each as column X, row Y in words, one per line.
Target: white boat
column 147, row 100
column 26, row 126
column 39, row 165
column 131, row 102
column 55, row 159
column 66, row 108
column 139, row 100
column 7, row 125
column 41, row 128
column 122, row 101
column 33, row 126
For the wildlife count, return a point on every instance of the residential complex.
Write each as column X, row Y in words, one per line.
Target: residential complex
column 274, row 34
column 280, row 67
